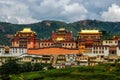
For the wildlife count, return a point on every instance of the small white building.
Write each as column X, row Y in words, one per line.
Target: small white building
column 100, row 50
column 70, row 57
column 82, row 60
column 70, row 60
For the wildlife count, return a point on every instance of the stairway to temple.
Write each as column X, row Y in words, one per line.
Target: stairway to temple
column 54, row 59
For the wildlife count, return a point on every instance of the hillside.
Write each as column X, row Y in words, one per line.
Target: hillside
column 44, row 28
column 100, row 72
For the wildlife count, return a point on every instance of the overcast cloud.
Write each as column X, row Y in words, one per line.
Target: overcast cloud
column 31, row 11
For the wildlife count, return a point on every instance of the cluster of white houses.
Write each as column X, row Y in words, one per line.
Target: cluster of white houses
column 62, row 49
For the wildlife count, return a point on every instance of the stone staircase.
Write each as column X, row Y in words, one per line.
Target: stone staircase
column 54, row 59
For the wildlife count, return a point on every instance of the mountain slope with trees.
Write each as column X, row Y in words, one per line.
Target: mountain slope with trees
column 45, row 28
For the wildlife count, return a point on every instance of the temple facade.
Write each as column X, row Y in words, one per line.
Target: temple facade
column 62, row 35
column 60, row 38
column 88, row 38
column 25, row 38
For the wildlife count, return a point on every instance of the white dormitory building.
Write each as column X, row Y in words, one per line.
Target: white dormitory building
column 7, row 53
column 98, row 50
column 12, row 51
column 114, row 46
column 107, row 48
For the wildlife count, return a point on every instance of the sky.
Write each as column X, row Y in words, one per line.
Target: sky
column 32, row 11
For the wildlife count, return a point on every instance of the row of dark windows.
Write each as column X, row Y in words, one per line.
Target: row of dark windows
column 100, row 48
column 52, row 44
column 110, row 41
column 82, row 58
column 68, row 44
column 46, row 44
column 15, row 51
column 98, row 52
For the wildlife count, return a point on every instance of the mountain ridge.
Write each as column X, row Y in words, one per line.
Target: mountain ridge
column 45, row 28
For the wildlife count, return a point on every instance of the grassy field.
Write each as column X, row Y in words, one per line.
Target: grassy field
column 101, row 72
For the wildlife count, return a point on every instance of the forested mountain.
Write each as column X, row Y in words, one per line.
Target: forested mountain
column 45, row 28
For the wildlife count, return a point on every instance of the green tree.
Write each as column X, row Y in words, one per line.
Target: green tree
column 37, row 67
column 10, row 67
column 26, row 67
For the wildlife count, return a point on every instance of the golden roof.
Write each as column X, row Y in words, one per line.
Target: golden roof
column 89, row 31
column 61, row 29
column 60, row 39
column 27, row 30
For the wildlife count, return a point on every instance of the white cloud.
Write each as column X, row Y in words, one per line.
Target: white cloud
column 30, row 11
column 17, row 11
column 64, row 10
column 113, row 13
column 74, row 12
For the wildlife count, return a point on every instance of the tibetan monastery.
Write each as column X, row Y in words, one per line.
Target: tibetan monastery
column 60, row 38
column 88, row 38
column 25, row 38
